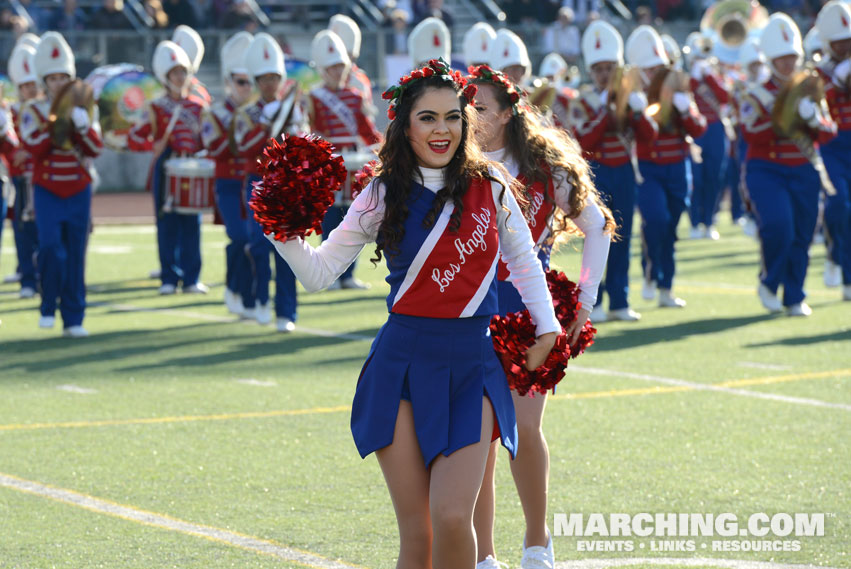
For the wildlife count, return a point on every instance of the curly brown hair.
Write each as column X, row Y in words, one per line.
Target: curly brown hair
column 399, row 169
column 543, row 151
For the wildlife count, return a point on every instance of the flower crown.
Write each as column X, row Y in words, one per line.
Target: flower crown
column 437, row 67
column 498, row 79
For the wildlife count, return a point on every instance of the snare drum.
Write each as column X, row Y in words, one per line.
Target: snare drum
column 191, row 185
column 353, row 161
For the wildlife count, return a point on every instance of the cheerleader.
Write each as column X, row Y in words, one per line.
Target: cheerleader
column 782, row 184
column 432, row 392
column 252, row 128
column 171, row 126
column 230, row 169
column 663, row 195
column 62, row 190
column 555, row 178
column 610, row 155
column 834, row 28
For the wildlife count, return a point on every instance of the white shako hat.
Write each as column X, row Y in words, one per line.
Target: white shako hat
column 644, row 48
column 554, row 66
column 54, row 55
column 232, row 54
column 833, row 23
column 601, row 42
column 750, row 52
column 812, row 43
column 349, row 32
column 780, row 37
column 29, row 39
column 430, row 39
column 327, row 49
column 264, row 55
column 672, row 50
column 21, row 65
column 167, row 56
column 508, row 49
column 477, row 44
column 192, row 44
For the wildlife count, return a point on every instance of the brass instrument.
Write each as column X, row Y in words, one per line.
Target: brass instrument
column 660, row 94
column 542, row 93
column 624, row 81
column 76, row 93
column 733, row 20
column 290, row 97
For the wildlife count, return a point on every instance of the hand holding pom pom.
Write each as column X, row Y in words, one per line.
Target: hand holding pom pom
column 300, row 175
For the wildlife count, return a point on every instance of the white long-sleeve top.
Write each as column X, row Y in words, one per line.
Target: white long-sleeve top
column 595, row 251
column 318, row 267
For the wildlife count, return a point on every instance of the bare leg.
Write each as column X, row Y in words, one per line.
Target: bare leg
column 455, row 483
column 531, row 467
column 408, row 482
column 485, row 512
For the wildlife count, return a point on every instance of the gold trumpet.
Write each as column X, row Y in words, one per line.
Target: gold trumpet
column 624, row 81
column 733, row 20
column 76, row 93
column 660, row 94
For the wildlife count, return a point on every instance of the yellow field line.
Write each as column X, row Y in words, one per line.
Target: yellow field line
column 783, row 378
column 623, row 392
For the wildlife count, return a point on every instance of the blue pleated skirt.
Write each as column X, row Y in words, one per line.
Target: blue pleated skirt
column 444, row 367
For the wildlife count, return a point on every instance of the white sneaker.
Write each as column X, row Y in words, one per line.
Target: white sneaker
column 697, row 232
column 490, row 563
column 249, row 313
column 749, row 228
column 598, row 314
column 800, row 309
column 818, row 238
column 75, row 332
column 47, row 322
column 648, row 290
column 624, row 314
column 712, row 233
column 832, row 274
column 846, row 292
column 26, row 292
column 155, row 274
column 285, row 325
column 263, row 313
column 537, row 557
column 354, row 283
column 668, row 300
column 197, row 288
column 168, row 289
column 13, row 278
column 769, row 299
column 233, row 302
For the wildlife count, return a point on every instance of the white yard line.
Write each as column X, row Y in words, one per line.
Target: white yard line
column 71, row 388
column 161, row 521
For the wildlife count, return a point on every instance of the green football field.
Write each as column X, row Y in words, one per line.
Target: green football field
column 177, row 436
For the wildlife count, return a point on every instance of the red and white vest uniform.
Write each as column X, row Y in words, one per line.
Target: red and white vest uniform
column 838, row 98
column 20, row 161
column 251, row 134
column 671, row 146
column 217, row 138
column 710, row 94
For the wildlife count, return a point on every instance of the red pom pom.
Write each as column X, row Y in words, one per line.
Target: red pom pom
column 514, row 333
column 363, row 177
column 300, row 176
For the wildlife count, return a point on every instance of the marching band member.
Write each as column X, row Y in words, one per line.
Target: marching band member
column 62, row 191
column 781, row 182
column 813, row 48
column 662, row 162
column 554, row 69
column 230, row 168
column 477, row 44
column 430, row 39
column 338, row 114
column 834, row 29
column 672, row 50
column 509, row 55
column 432, row 390
column 711, row 95
column 557, row 185
column 349, row 32
column 23, row 74
column 252, row 128
column 190, row 41
column 610, row 155
column 171, row 127
column 8, row 147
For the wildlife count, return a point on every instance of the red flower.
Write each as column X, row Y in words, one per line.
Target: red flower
column 428, row 72
column 388, row 94
column 363, row 177
column 470, row 92
column 417, row 74
column 391, row 113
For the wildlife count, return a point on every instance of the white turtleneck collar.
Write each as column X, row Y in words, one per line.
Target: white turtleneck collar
column 432, row 178
column 502, row 157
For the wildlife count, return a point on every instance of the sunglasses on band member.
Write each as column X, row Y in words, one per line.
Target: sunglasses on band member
column 242, row 82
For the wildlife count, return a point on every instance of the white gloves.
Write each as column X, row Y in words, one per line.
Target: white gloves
column 80, row 118
column 604, row 97
column 699, row 69
column 681, row 101
column 269, row 111
column 843, row 69
column 4, row 120
column 637, row 101
column 807, row 109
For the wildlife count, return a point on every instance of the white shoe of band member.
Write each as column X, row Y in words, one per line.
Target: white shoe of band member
column 697, row 232
column 263, row 313
column 155, row 274
column 832, row 274
column 537, row 557
column 26, row 292
column 648, row 290
column 197, row 288
column 354, row 283
column 249, row 313
column 668, row 300
column 168, row 289
column 233, row 302
column 598, row 314
column 13, row 278
column 818, row 238
column 800, row 309
column 749, row 228
column 769, row 299
column 846, row 292
column 490, row 563
column 624, row 314
column 47, row 322
column 285, row 325
column 712, row 233
column 75, row 332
